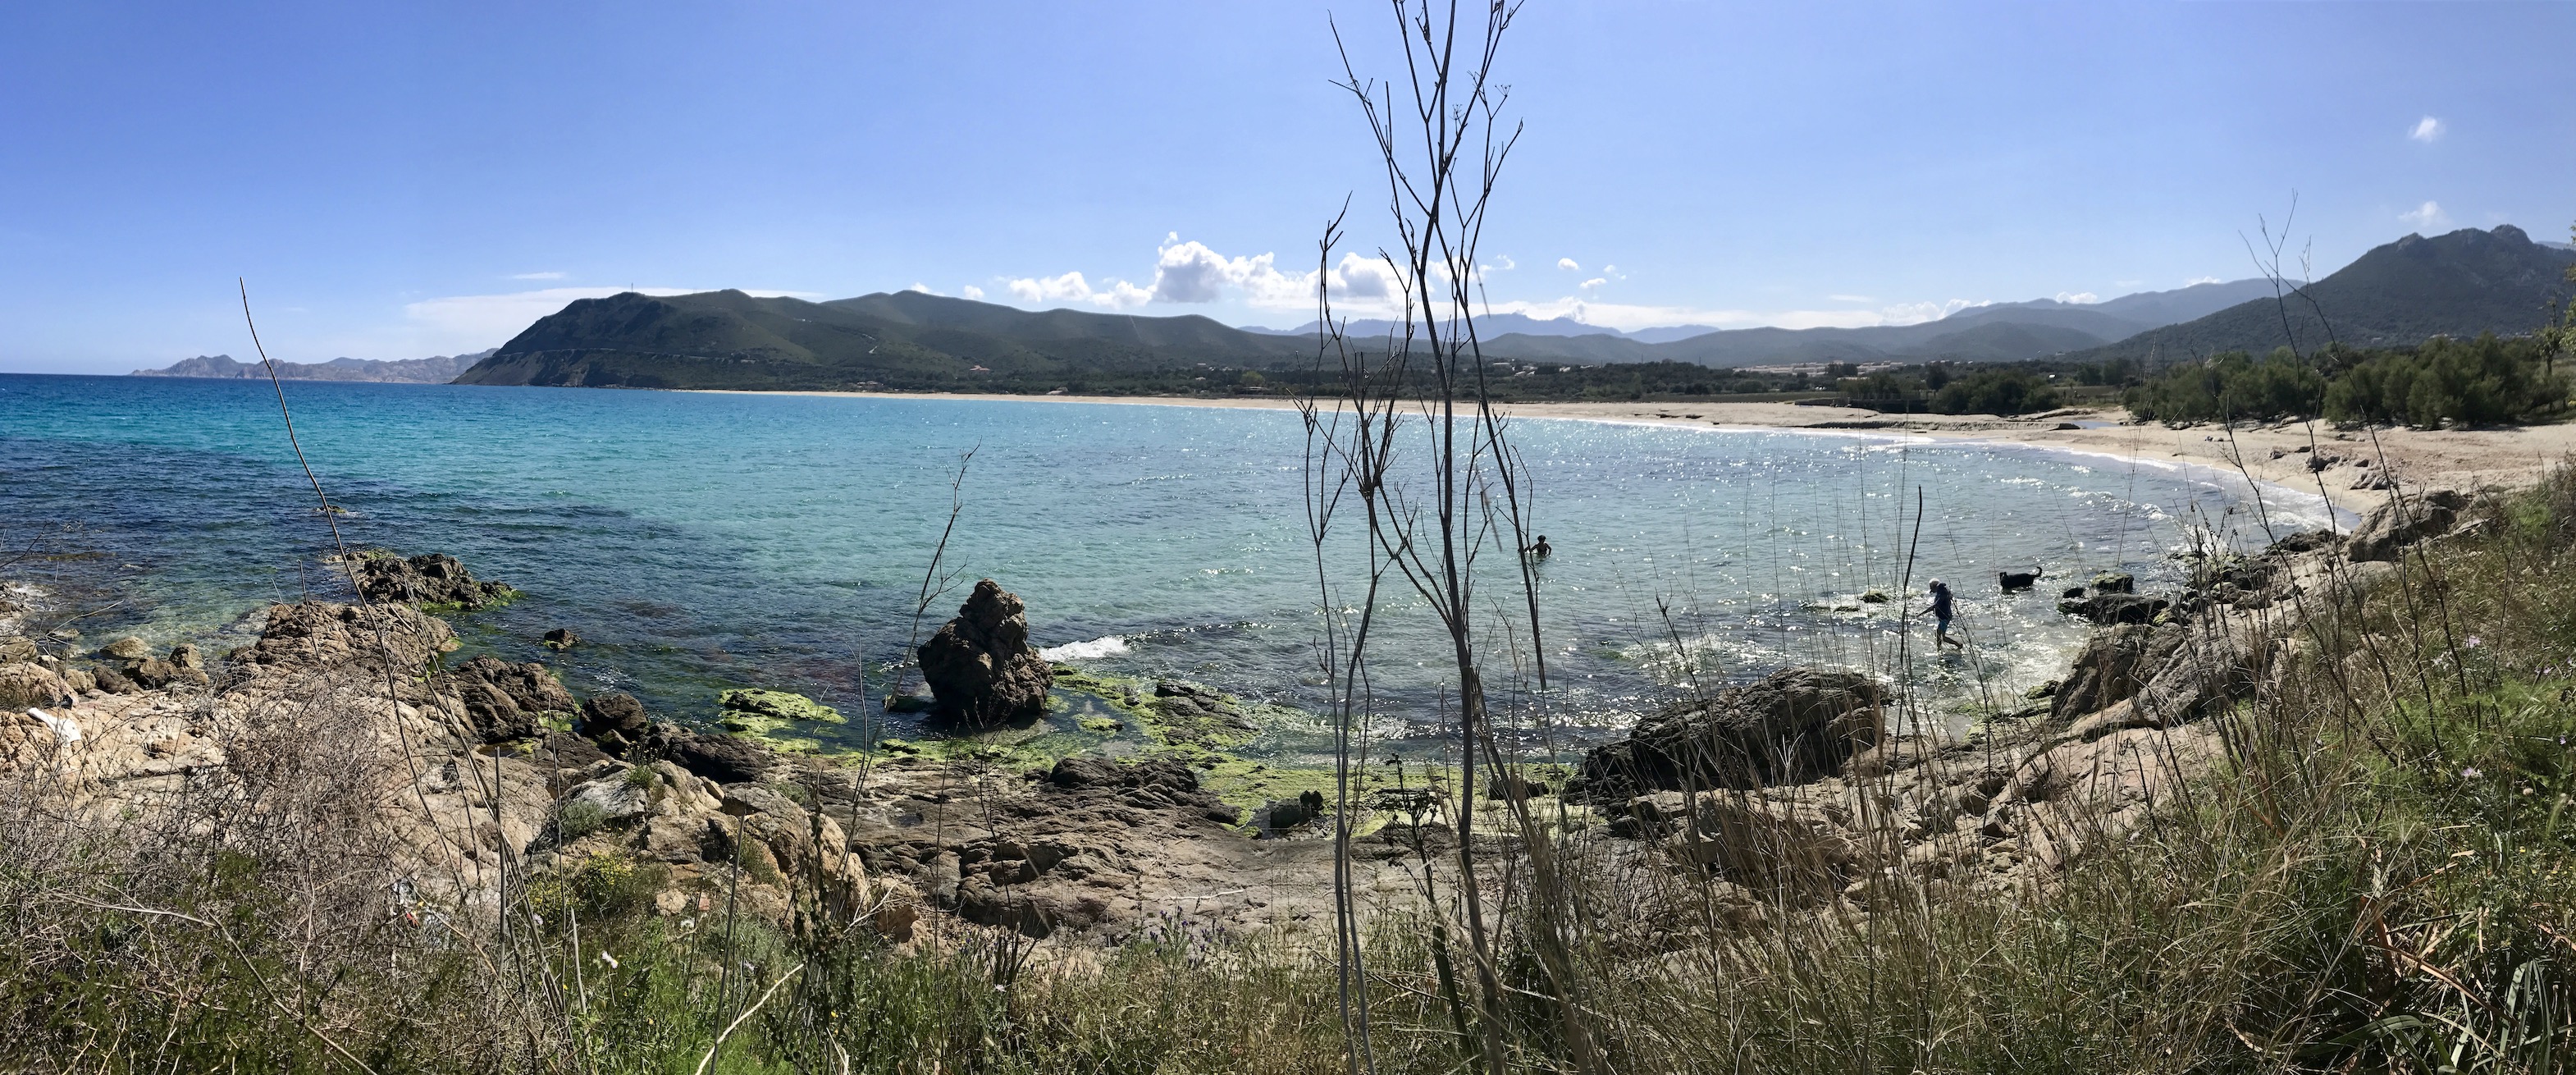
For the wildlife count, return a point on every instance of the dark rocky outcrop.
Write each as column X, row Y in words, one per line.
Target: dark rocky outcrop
column 509, row 701
column 2113, row 665
column 560, row 639
column 615, row 714
column 725, row 759
column 434, row 580
column 1790, row 727
column 2110, row 608
column 980, row 666
column 2403, row 522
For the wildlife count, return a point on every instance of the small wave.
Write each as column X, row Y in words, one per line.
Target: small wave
column 1108, row 646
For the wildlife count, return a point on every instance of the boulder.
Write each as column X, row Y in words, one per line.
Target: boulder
column 17, row 648
column 1791, row 727
column 186, row 655
column 2110, row 608
column 25, row 684
column 508, row 701
column 560, row 639
column 154, row 673
column 2402, row 522
column 617, row 713
column 2113, row 665
column 2110, row 582
column 980, row 666
column 128, row 648
column 725, row 759
column 430, row 579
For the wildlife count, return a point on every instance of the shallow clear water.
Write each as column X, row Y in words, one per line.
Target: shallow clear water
column 702, row 541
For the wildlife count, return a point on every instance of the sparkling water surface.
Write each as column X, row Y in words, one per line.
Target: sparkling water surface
column 700, row 541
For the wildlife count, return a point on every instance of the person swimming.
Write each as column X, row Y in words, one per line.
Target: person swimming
column 1540, row 550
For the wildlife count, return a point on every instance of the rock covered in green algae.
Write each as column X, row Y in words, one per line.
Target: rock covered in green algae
column 762, row 711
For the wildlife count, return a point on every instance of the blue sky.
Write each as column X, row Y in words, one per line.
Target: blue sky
column 404, row 179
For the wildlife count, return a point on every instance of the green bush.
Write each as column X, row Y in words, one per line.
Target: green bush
column 2485, row 381
column 577, row 819
column 2004, row 391
column 2230, row 387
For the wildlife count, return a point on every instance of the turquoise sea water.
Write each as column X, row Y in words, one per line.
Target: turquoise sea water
column 701, row 541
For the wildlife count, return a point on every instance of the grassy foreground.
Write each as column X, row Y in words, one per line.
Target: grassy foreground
column 2381, row 877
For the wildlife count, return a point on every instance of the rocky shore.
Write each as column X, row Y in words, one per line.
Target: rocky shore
column 1807, row 791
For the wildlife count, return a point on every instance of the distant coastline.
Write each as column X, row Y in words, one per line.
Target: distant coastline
column 2273, row 455
column 436, row 369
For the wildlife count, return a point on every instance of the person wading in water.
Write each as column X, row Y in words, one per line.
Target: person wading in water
column 1941, row 613
column 1540, row 550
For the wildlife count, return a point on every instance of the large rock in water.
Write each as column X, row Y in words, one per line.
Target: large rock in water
column 2407, row 520
column 980, row 666
column 432, row 579
column 1791, row 727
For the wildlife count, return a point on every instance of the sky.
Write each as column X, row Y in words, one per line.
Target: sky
column 396, row 180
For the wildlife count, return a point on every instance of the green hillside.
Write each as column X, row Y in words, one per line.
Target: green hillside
column 2397, row 295
column 727, row 339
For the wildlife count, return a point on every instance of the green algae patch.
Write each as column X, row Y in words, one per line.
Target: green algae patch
column 788, row 723
column 779, row 708
column 1174, row 713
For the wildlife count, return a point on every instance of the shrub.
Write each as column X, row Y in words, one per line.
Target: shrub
column 2004, row 391
column 2485, row 381
column 2232, row 386
column 577, row 819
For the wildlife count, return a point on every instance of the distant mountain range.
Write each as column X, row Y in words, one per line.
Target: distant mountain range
column 2405, row 292
column 436, row 369
column 2458, row 284
column 908, row 339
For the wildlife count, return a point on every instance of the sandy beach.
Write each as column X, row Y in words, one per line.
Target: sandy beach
column 2279, row 455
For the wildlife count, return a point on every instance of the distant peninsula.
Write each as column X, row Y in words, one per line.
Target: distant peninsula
column 436, row 369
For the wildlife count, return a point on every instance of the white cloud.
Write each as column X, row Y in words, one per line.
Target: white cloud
column 538, row 276
column 496, row 318
column 1568, row 264
column 972, row 292
column 1122, row 295
column 1070, row 287
column 2426, row 129
column 2199, row 280
column 1592, row 283
column 2078, row 298
column 1611, row 270
column 921, row 287
column 1189, row 272
column 1507, row 264
column 2426, row 216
